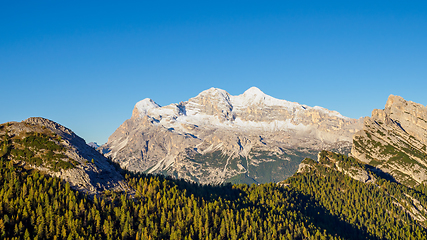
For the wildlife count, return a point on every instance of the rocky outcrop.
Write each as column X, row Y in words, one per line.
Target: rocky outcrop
column 216, row 137
column 394, row 140
column 91, row 173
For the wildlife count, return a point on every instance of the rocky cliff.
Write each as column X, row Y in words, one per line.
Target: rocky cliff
column 394, row 140
column 216, row 137
column 39, row 143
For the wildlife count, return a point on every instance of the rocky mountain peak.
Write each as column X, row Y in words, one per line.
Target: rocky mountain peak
column 397, row 105
column 214, row 92
column 408, row 116
column 392, row 99
column 212, row 102
column 394, row 139
column 212, row 96
column 51, row 125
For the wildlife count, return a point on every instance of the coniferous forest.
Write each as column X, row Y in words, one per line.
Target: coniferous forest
column 322, row 203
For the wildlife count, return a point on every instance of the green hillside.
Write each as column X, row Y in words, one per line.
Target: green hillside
column 41, row 148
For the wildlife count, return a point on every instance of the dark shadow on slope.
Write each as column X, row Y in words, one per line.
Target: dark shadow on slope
column 317, row 215
column 306, row 206
column 380, row 173
column 191, row 135
column 399, row 125
column 208, row 192
column 321, row 217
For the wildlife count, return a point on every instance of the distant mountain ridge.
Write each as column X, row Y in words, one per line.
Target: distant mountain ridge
column 93, row 145
column 216, row 137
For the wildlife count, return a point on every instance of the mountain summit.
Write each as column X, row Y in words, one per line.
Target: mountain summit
column 216, row 137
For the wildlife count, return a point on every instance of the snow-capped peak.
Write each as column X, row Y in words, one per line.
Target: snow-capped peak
column 254, row 91
column 144, row 105
column 252, row 96
column 255, row 96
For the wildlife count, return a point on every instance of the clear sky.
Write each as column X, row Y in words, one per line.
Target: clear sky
column 84, row 64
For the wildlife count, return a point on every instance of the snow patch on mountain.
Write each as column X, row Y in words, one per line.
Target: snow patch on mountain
column 145, row 105
column 218, row 109
column 329, row 112
column 255, row 96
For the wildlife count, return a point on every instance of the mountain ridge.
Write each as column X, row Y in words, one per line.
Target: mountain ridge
column 39, row 143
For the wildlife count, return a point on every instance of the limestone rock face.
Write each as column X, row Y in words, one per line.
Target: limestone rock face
column 394, row 140
column 92, row 172
column 216, row 137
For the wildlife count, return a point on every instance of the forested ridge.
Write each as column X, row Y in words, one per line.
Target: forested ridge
column 322, row 203
column 380, row 210
column 35, row 206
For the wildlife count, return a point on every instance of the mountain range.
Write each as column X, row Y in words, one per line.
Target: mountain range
column 375, row 190
column 216, row 137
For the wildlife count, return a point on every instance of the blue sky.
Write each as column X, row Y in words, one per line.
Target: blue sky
column 85, row 64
